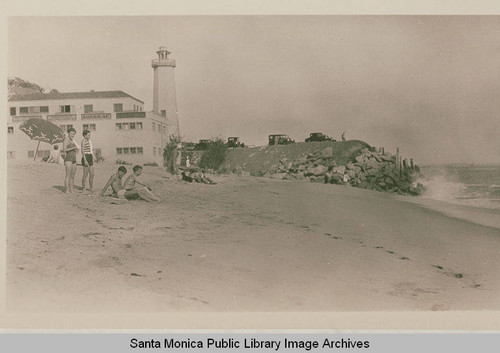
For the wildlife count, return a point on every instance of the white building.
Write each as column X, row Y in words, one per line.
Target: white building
column 121, row 129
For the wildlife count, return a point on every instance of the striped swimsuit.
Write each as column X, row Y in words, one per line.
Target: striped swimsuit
column 86, row 147
column 87, row 153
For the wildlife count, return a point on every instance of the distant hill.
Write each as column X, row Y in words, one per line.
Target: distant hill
column 17, row 85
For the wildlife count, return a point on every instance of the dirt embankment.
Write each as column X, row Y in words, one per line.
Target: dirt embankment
column 259, row 161
column 348, row 162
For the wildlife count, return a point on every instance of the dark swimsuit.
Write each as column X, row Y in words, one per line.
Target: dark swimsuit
column 70, row 155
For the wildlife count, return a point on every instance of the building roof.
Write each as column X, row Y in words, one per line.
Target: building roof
column 71, row 95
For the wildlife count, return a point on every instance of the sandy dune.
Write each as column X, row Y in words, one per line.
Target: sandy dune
column 246, row 244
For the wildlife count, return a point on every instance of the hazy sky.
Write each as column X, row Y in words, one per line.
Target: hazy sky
column 427, row 84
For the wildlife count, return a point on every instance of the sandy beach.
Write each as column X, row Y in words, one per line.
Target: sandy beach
column 247, row 244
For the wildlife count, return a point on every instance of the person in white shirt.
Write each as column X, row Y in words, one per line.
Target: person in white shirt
column 55, row 156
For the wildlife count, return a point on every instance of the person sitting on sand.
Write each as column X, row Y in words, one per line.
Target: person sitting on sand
column 198, row 176
column 55, row 156
column 144, row 191
column 115, row 181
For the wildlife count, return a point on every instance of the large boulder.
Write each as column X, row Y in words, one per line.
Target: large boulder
column 319, row 170
column 327, row 152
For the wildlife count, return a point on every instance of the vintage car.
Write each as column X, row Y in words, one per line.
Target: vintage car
column 317, row 136
column 202, row 145
column 280, row 139
column 234, row 142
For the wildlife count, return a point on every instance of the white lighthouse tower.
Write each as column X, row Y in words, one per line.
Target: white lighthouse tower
column 164, row 98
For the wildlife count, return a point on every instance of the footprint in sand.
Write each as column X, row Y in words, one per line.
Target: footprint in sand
column 333, row 236
column 199, row 300
column 392, row 253
column 450, row 272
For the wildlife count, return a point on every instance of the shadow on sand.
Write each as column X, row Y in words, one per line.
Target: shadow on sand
column 63, row 189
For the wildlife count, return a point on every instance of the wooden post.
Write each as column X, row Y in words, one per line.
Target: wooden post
column 405, row 163
column 36, row 152
column 411, row 164
column 397, row 158
column 383, row 150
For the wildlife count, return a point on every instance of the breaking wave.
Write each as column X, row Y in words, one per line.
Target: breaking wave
column 449, row 185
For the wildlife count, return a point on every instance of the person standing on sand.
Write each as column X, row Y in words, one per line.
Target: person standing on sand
column 70, row 147
column 144, row 191
column 115, row 181
column 87, row 160
column 172, row 160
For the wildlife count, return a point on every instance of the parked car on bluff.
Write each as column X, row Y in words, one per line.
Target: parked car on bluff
column 202, row 145
column 188, row 146
column 280, row 139
column 317, row 136
column 234, row 142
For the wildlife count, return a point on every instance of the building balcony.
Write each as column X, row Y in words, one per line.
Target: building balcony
column 133, row 114
column 163, row 62
column 19, row 119
column 99, row 116
column 57, row 117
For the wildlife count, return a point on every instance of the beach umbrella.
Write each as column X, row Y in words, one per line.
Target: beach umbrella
column 42, row 130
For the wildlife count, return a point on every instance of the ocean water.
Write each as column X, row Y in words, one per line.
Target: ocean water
column 476, row 186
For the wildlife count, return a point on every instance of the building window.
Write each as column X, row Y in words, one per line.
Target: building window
column 132, row 126
column 65, row 108
column 130, row 150
column 44, row 109
column 13, row 111
column 23, row 110
column 90, row 127
column 138, row 126
column 88, row 108
column 65, row 127
column 118, row 126
column 10, row 129
column 154, row 126
column 34, row 110
column 11, row 154
column 164, row 112
column 117, row 107
column 43, row 153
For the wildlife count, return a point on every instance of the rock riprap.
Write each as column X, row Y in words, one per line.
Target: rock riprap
column 369, row 170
